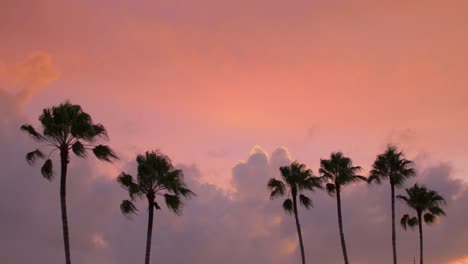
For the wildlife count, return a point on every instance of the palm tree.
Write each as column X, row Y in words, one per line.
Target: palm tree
column 156, row 176
column 66, row 127
column 426, row 203
column 296, row 178
column 339, row 171
column 392, row 166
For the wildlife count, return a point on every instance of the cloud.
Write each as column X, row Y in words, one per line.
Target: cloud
column 29, row 76
column 242, row 226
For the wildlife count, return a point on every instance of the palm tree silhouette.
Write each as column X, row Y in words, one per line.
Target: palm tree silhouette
column 339, row 171
column 392, row 166
column 426, row 203
column 156, row 176
column 66, row 127
column 296, row 178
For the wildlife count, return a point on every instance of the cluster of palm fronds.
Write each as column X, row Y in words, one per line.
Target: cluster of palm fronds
column 339, row 171
column 66, row 129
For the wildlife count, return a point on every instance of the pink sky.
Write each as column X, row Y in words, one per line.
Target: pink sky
column 314, row 76
column 206, row 81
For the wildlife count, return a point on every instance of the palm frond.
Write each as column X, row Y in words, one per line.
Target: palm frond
column 104, row 153
column 32, row 156
column 47, row 170
column 288, row 206
column 32, row 132
column 99, row 131
column 413, row 222
column 185, row 192
column 359, row 177
column 435, row 210
column 173, row 202
column 306, row 201
column 79, row 149
column 331, row 188
column 126, row 180
column 311, row 183
column 127, row 207
column 429, row 218
column 277, row 188
column 402, row 197
column 408, row 221
column 404, row 221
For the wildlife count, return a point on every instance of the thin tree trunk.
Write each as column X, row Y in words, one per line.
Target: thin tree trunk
column 298, row 226
column 340, row 223
column 149, row 231
column 63, row 202
column 392, row 186
column 421, row 248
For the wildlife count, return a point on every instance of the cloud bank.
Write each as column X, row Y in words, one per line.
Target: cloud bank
column 219, row 226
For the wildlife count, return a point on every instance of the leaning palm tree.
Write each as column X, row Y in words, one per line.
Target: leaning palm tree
column 66, row 128
column 339, row 171
column 296, row 179
column 156, row 177
column 426, row 204
column 392, row 166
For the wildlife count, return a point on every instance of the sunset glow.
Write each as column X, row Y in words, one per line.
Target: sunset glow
column 231, row 91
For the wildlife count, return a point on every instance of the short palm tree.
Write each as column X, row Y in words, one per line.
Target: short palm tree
column 426, row 204
column 392, row 166
column 156, row 177
column 66, row 128
column 296, row 179
column 339, row 171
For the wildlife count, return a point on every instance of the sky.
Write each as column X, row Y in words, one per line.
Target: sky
column 231, row 90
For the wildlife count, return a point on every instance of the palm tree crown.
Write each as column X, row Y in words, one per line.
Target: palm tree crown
column 156, row 177
column 339, row 171
column 66, row 127
column 393, row 166
column 296, row 178
column 424, row 202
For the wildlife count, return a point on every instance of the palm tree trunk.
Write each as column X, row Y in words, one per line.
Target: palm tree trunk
column 421, row 249
column 298, row 226
column 393, row 225
column 63, row 202
column 149, row 231
column 340, row 224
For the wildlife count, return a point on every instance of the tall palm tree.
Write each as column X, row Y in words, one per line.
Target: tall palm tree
column 156, row 177
column 296, row 179
column 66, row 128
column 392, row 166
column 426, row 203
column 339, row 171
